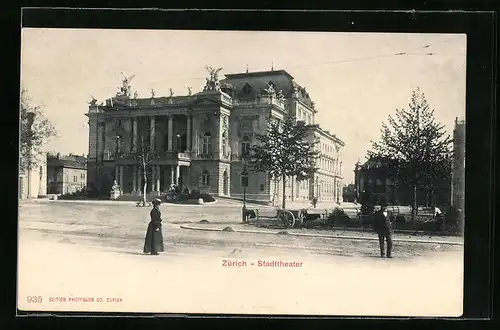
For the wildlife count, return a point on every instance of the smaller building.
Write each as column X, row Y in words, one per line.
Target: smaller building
column 66, row 174
column 374, row 183
column 349, row 193
column 458, row 169
column 33, row 183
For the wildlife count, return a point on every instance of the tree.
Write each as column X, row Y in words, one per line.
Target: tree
column 415, row 147
column 36, row 130
column 284, row 151
column 144, row 155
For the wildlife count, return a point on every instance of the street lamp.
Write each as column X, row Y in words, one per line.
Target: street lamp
column 244, row 182
column 31, row 118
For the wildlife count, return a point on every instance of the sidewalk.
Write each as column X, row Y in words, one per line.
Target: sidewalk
column 217, row 202
column 340, row 234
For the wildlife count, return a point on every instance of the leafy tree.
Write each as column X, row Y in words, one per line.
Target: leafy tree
column 415, row 147
column 35, row 132
column 284, row 151
column 144, row 155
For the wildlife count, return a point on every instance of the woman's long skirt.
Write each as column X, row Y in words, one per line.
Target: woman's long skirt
column 154, row 240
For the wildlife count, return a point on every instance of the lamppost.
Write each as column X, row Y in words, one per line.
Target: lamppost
column 244, row 182
column 97, row 138
column 31, row 118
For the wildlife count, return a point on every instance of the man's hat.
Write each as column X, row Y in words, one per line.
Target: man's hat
column 157, row 201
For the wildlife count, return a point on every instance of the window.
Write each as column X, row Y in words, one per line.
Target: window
column 82, row 176
column 245, row 146
column 206, row 145
column 261, row 187
column 205, row 178
column 75, row 178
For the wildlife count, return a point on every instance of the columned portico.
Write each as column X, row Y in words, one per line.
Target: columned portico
column 134, row 133
column 152, row 133
column 156, row 184
column 134, row 179
column 188, row 137
column 170, row 132
column 153, row 178
column 119, row 176
column 139, row 181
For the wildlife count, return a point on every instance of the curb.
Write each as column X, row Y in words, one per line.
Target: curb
column 325, row 236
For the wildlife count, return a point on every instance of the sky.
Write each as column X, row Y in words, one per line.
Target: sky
column 355, row 79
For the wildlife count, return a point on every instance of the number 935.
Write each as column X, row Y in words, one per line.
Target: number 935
column 34, row 299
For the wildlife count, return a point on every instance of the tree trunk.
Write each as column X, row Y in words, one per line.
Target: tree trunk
column 145, row 178
column 284, row 192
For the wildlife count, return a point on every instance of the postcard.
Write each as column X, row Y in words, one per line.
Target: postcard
column 241, row 172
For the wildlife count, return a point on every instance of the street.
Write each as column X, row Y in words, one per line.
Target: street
column 84, row 250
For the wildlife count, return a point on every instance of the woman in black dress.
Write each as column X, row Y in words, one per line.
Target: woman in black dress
column 154, row 236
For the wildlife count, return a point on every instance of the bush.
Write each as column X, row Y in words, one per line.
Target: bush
column 77, row 195
column 195, row 195
column 338, row 217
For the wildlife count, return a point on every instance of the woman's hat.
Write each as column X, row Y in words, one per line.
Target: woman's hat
column 157, row 201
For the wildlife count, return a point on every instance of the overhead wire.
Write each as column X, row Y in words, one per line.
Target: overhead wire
column 410, row 52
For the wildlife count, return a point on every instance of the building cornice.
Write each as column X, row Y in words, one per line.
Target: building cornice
column 317, row 128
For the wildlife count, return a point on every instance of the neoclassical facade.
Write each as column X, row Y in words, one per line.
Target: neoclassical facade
column 198, row 139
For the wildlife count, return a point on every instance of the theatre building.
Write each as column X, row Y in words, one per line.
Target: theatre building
column 198, row 139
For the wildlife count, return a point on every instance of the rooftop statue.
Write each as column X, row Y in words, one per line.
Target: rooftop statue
column 280, row 95
column 212, row 83
column 125, row 89
column 270, row 89
column 190, row 92
column 93, row 101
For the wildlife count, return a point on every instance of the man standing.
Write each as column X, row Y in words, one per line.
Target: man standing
column 383, row 227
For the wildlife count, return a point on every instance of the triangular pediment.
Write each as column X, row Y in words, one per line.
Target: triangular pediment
column 206, row 100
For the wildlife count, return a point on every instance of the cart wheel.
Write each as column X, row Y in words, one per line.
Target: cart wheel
column 286, row 218
column 300, row 217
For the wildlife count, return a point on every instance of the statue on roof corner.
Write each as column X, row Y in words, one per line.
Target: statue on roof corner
column 270, row 89
column 212, row 83
column 93, row 101
column 125, row 89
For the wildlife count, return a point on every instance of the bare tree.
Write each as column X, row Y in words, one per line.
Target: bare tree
column 36, row 130
column 144, row 155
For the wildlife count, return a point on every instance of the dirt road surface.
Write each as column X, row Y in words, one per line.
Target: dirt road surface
column 72, row 258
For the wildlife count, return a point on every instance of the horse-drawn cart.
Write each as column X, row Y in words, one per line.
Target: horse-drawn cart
column 282, row 218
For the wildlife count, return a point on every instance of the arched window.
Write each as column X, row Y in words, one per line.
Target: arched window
column 245, row 146
column 205, row 178
column 206, row 145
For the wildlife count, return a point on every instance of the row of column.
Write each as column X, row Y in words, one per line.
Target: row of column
column 137, row 182
column 170, row 132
